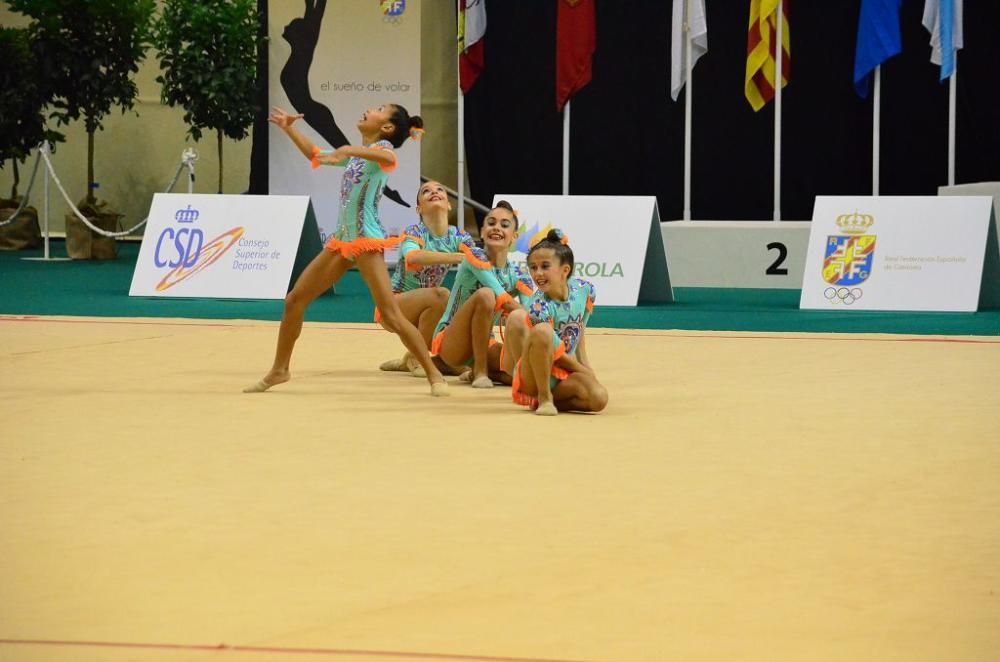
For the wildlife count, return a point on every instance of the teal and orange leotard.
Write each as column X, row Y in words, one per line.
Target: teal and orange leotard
column 359, row 229
column 568, row 318
column 474, row 272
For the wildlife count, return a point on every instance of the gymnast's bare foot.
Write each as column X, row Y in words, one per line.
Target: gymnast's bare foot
column 272, row 378
column 482, row 381
column 397, row 365
column 546, row 409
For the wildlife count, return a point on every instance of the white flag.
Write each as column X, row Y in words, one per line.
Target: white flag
column 475, row 21
column 945, row 40
column 698, row 34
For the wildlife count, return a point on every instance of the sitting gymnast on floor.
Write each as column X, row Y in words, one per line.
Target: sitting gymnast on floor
column 428, row 249
column 487, row 284
column 552, row 371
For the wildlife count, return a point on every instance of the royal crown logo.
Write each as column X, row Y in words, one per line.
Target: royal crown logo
column 187, row 215
column 855, row 223
column 849, row 257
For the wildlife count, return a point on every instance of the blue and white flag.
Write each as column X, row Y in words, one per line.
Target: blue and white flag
column 878, row 40
column 943, row 19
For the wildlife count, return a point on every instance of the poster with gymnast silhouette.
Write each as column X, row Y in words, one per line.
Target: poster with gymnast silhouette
column 331, row 60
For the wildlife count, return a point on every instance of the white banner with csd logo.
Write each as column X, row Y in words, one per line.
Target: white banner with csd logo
column 224, row 246
column 896, row 253
column 331, row 61
column 616, row 241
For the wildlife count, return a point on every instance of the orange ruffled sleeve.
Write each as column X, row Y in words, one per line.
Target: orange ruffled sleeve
column 501, row 300
column 473, row 260
column 391, row 166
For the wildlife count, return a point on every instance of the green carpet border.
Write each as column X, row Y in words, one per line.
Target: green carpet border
column 90, row 288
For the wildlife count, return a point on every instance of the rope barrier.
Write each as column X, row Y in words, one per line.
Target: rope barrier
column 187, row 160
column 24, row 198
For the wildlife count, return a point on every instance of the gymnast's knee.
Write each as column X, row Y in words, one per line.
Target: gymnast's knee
column 484, row 298
column 598, row 398
column 541, row 333
column 391, row 319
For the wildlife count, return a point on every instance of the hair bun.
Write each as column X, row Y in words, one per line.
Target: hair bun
column 558, row 236
column 416, row 133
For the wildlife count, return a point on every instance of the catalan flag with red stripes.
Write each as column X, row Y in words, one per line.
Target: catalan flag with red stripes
column 761, row 38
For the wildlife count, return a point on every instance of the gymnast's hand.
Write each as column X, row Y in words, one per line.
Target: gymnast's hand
column 282, row 119
column 510, row 306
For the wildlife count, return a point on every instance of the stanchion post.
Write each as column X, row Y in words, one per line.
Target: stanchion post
column 46, row 149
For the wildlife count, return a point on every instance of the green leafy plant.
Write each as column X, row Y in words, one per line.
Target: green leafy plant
column 87, row 52
column 208, row 55
column 23, row 97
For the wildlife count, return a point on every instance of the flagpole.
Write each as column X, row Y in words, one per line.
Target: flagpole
column 779, row 51
column 876, row 132
column 460, row 213
column 565, row 174
column 952, row 94
column 687, row 111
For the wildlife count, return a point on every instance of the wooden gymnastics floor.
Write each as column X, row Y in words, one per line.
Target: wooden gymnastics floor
column 744, row 497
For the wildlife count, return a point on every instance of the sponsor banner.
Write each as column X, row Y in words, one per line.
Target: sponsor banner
column 616, row 241
column 222, row 246
column 331, row 61
column 896, row 253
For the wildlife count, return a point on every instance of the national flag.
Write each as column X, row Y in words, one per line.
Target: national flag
column 471, row 41
column 878, row 40
column 759, row 80
column 576, row 39
column 943, row 19
column 697, row 32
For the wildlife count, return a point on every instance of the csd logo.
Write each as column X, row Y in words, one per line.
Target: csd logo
column 179, row 247
column 184, row 250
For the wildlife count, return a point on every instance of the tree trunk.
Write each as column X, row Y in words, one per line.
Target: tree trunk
column 91, row 198
column 17, row 180
column 219, row 134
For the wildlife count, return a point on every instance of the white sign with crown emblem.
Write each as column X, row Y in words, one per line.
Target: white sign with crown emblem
column 224, row 246
column 915, row 253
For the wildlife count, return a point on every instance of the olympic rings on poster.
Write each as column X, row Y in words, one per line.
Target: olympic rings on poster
column 844, row 295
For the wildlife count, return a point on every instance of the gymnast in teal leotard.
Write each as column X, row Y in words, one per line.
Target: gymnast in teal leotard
column 429, row 248
column 553, row 372
column 360, row 238
column 486, row 286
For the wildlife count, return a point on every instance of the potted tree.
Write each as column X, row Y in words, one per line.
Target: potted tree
column 22, row 128
column 87, row 52
column 208, row 56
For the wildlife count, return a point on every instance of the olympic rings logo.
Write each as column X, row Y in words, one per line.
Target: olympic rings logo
column 392, row 20
column 843, row 295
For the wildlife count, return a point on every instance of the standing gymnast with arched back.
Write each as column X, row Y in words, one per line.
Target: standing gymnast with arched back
column 360, row 238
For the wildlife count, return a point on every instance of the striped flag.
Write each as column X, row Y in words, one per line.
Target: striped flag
column 471, row 41
column 943, row 19
column 759, row 80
